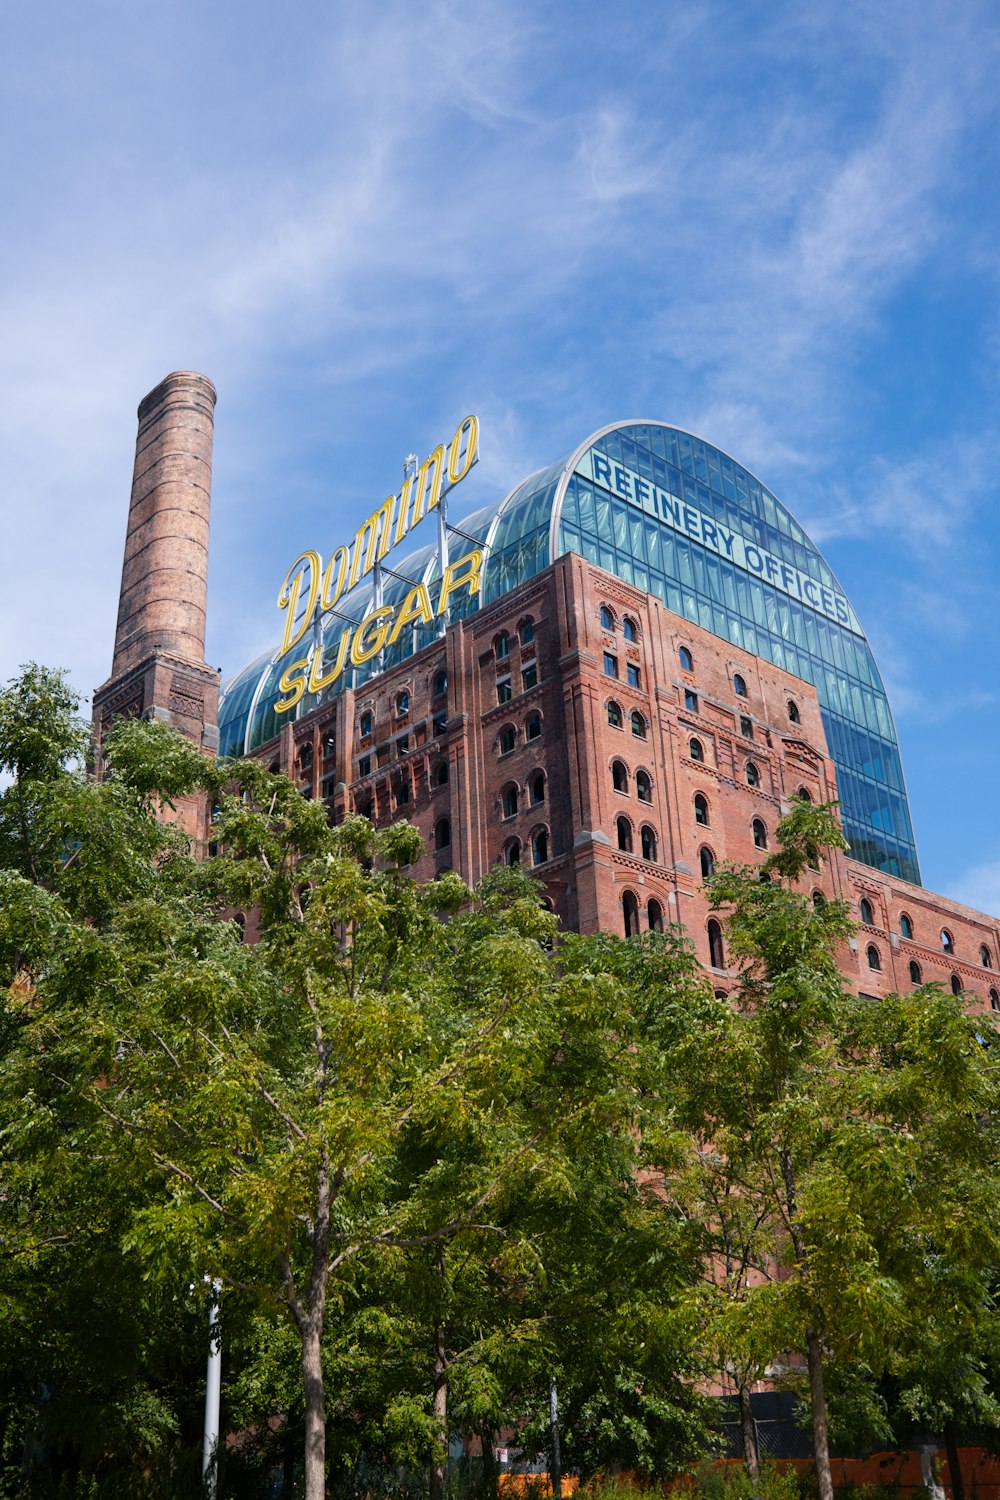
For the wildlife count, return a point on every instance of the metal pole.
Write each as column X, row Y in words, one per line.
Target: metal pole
column 213, row 1388
column 556, row 1461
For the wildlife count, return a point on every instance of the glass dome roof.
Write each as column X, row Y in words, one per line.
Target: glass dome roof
column 677, row 518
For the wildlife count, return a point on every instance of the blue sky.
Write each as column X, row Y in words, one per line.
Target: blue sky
column 777, row 226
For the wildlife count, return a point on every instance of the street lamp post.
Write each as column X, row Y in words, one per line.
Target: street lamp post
column 213, row 1388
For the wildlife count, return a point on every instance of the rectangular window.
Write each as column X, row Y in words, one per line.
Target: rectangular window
column 364, row 765
column 610, row 665
column 504, row 692
column 634, row 677
column 690, row 700
column 529, row 677
column 746, row 728
column 440, row 726
column 402, row 744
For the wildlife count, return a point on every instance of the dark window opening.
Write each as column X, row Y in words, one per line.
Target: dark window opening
column 441, row 773
column 759, row 834
column 440, row 683
column 746, row 727
column 607, row 618
column 648, row 837
column 403, row 704
column 739, row 686
column 638, row 724
column 508, row 801
column 701, row 810
column 442, row 833
column 504, row 690
column 619, row 776
column 529, row 678
column 905, row 927
column 690, row 701
column 610, row 665
column 633, row 674
column 716, row 948
column 630, row 630
column 440, row 725
column 526, row 632
column 867, row 915
column 539, row 847
column 753, row 775
column 512, row 853
column 507, row 739
column 696, row 750
column 614, row 714
column 501, row 645
column 984, row 957
column 630, row 913
column 643, row 786
column 686, row 660
column 947, row 941
column 793, row 712
column 874, row 959
column 533, row 726
column 624, row 835
column 707, row 860
column 654, row 916
column 365, row 724
column 916, row 977
column 536, row 788
column 956, row 985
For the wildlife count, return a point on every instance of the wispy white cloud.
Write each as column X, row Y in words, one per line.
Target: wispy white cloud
column 978, row 887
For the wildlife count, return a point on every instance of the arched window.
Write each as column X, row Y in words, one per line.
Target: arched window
column 440, row 683
column 619, row 776
column 402, row 703
column 441, row 773
column 956, row 985
column 533, row 727
column 753, row 775
column 716, row 948
column 442, row 833
column 696, row 749
column 701, row 809
column 512, row 852
column 905, row 926
column 686, row 659
column 947, row 941
column 526, row 631
column 763, row 877
column 629, row 629
column 501, row 645
column 624, row 835
column 874, row 960
column 739, row 685
column 630, row 912
column 654, row 916
column 707, row 860
column 329, row 746
column 536, row 788
column 984, row 957
column 648, row 837
column 867, row 915
column 759, row 834
column 804, row 794
column 638, row 724
column 365, row 723
column 916, row 977
column 994, row 1000
column 366, row 809
column 508, row 801
column 539, row 846
column 643, row 786
column 607, row 618
column 720, row 994
column 793, row 712
column 614, row 714
column 240, row 923
column 818, row 899
column 507, row 739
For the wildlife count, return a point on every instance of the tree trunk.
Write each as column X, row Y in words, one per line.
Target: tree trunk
column 751, row 1458
column 312, row 1384
column 489, row 1463
column 555, row 1473
column 821, row 1441
column 954, row 1467
column 439, row 1408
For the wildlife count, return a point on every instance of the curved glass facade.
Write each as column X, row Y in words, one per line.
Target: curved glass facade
column 677, row 518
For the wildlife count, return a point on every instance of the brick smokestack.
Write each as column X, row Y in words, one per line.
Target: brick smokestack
column 165, row 572
column 159, row 668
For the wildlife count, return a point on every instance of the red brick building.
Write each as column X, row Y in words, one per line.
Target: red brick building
column 593, row 711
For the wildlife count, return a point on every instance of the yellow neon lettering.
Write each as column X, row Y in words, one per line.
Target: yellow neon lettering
column 293, row 682
column 380, row 619
column 316, row 682
column 416, row 606
column 427, row 484
column 455, row 579
column 402, row 515
column 288, row 597
column 375, row 532
column 469, row 428
column 341, row 558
